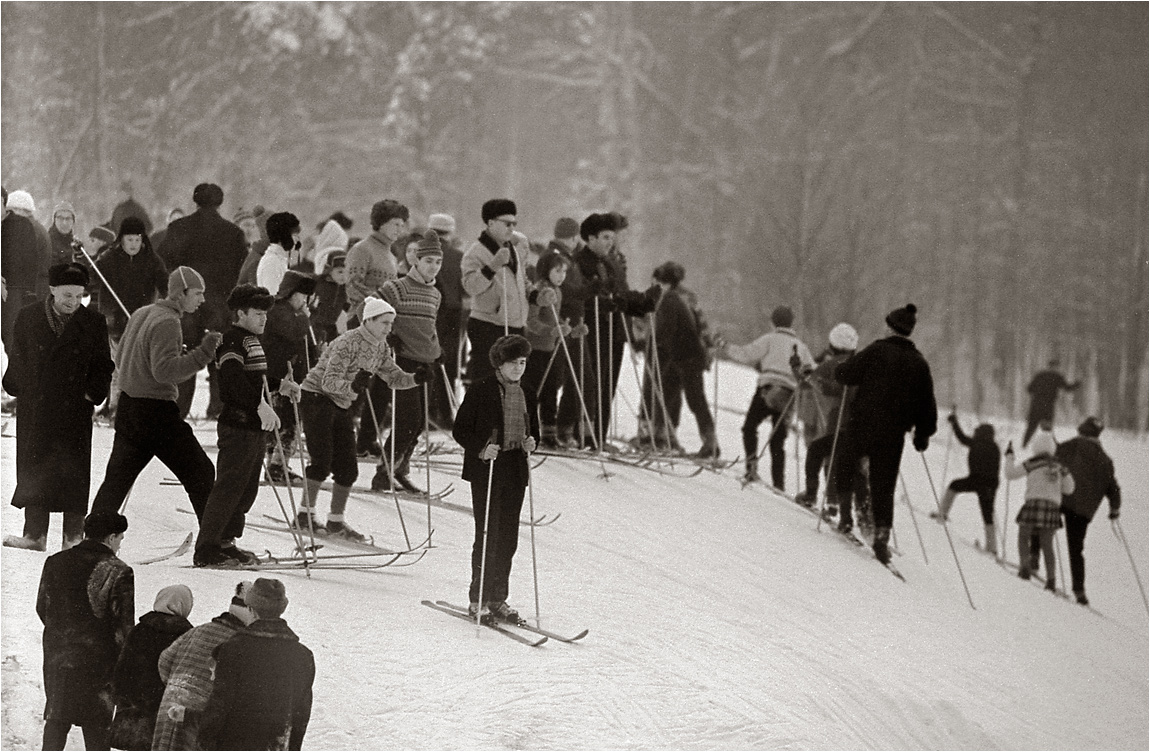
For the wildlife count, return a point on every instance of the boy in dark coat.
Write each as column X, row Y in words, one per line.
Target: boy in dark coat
column 329, row 314
column 291, row 351
column 87, row 604
column 263, row 681
column 59, row 368
column 983, row 462
column 1043, row 390
column 497, row 427
column 136, row 684
column 1094, row 479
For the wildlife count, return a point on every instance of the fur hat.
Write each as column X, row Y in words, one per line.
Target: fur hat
column 508, row 348
column 209, row 195
column 441, row 222
column 99, row 525
column 902, row 320
column 267, row 597
column 242, row 590
column 20, row 200
column 595, row 224
column 844, row 337
column 182, row 279
column 384, row 211
column 132, row 226
column 281, row 226
column 618, row 221
column 565, row 227
column 294, row 282
column 242, row 214
column 428, row 245
column 669, row 273
column 1044, row 443
column 1091, row 428
column 102, row 233
column 63, row 208
column 68, row 273
column 497, row 207
column 335, row 260
column 783, row 316
column 176, row 600
column 247, row 296
column 373, row 307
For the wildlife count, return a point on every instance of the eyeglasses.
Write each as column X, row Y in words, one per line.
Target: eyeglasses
column 508, row 222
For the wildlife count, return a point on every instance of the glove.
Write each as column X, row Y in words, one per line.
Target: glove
column 361, row 381
column 269, row 421
column 211, row 343
column 490, row 452
column 921, row 443
column 289, row 389
column 423, row 373
column 564, row 329
column 1113, row 514
column 547, row 297
column 501, row 258
column 579, row 331
column 529, row 444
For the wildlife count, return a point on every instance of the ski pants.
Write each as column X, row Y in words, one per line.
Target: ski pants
column 759, row 411
column 1038, row 415
column 330, row 435
column 409, row 410
column 448, row 327
column 684, row 379
column 508, row 483
column 1075, row 541
column 884, row 453
column 819, row 452
column 238, row 468
column 985, row 488
column 546, row 390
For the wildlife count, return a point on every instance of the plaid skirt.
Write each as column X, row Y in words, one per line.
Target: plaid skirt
column 1040, row 513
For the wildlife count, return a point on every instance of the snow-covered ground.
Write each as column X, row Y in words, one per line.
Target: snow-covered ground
column 719, row 618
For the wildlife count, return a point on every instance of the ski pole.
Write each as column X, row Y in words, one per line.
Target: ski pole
column 913, row 519
column 644, row 413
column 831, row 471
column 104, row 279
column 1116, row 526
column 779, row 422
column 311, row 503
column 391, row 465
column 660, row 394
column 427, row 454
column 1058, row 558
column 296, row 535
column 531, row 516
column 949, row 438
column 598, row 427
column 283, row 460
column 795, row 424
column 486, row 524
column 946, row 530
column 582, row 383
column 1006, row 504
column 577, row 378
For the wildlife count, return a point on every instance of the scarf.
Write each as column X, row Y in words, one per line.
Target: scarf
column 57, row 321
column 514, row 412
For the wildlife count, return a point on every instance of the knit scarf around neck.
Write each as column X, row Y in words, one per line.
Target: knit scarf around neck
column 56, row 320
column 514, row 412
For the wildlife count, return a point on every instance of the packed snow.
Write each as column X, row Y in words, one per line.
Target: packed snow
column 719, row 617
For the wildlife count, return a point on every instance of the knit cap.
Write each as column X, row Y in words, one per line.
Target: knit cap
column 429, row 245
column 1091, row 428
column 902, row 320
column 175, row 600
column 20, row 200
column 844, row 337
column 565, row 227
column 373, row 306
column 184, row 278
column 267, row 597
column 782, row 316
column 63, row 208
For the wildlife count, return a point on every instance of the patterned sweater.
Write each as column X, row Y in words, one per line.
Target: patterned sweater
column 416, row 304
column 1046, row 478
column 345, row 357
column 369, row 265
column 242, row 366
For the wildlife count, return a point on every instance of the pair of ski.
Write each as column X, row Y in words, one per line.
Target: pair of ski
column 506, row 628
column 641, row 462
column 367, row 547
column 862, row 547
column 1037, row 582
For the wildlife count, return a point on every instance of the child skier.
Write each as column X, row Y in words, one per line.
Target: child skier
column 983, row 463
column 329, row 314
column 1047, row 481
column 291, row 351
column 543, row 332
column 497, row 427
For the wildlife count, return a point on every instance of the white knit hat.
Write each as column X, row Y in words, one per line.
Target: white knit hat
column 443, row 222
column 844, row 337
column 20, row 200
column 373, row 307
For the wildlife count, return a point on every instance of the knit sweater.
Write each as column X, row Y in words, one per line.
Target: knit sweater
column 149, row 356
column 771, row 353
column 242, row 366
column 346, row 356
column 416, row 304
column 369, row 265
column 542, row 330
column 1046, row 478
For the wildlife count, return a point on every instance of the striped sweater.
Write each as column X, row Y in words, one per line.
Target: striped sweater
column 416, row 304
column 242, row 366
column 346, row 356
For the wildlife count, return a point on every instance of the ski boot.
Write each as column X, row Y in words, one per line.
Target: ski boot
column 880, row 546
column 806, row 498
column 502, row 612
column 30, row 544
column 337, row 528
column 752, row 473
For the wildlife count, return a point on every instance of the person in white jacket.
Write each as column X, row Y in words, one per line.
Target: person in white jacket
column 1047, row 481
column 283, row 250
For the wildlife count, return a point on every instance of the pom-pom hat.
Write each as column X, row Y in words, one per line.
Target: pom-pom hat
column 902, row 320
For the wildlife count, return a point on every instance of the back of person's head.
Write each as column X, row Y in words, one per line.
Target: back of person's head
column 267, row 597
column 239, row 605
column 176, row 600
column 984, row 432
column 99, row 525
column 1091, row 428
column 669, row 273
column 281, row 226
column 208, row 195
column 782, row 316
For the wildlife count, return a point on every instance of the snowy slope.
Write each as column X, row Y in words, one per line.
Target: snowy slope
column 719, row 618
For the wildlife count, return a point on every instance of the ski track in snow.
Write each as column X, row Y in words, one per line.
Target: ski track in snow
column 719, row 618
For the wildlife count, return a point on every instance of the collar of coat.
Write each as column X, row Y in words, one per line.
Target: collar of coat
column 490, row 244
column 272, row 629
column 899, row 340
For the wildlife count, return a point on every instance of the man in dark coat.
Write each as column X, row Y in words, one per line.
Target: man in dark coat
column 1043, row 391
column 895, row 394
column 215, row 248
column 1093, row 472
column 22, row 264
column 59, row 369
column 87, row 604
column 263, row 681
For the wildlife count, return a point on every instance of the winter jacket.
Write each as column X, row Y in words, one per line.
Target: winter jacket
column 149, row 356
column 87, row 604
column 605, row 279
column 771, row 354
column 343, row 358
column 829, row 395
column 542, row 330
column 241, row 366
column 498, row 296
column 287, row 341
column 1046, row 478
column 369, row 265
column 479, row 417
column 24, row 262
column 416, row 304
column 139, row 280
column 1093, row 473
column 61, row 245
column 272, row 267
column 262, row 692
column 574, row 287
column 58, row 380
column 136, row 684
column 215, row 248
column 677, row 333
column 984, row 458
column 449, row 281
column 1043, row 389
column 185, row 667
column 895, row 389
column 330, row 302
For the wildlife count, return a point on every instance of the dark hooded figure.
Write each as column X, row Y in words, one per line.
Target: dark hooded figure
column 984, row 461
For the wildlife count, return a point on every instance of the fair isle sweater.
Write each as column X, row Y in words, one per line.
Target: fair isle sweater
column 416, row 303
column 369, row 265
column 149, row 357
column 771, row 353
column 346, row 356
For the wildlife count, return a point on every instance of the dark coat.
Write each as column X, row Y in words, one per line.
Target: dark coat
column 136, row 685
column 606, row 279
column 87, row 604
column 1093, row 472
column 287, row 340
column 677, row 332
column 61, row 245
column 261, row 698
column 58, row 380
column 24, row 262
column 985, row 458
column 330, row 301
column 480, row 416
column 139, row 281
column 895, row 390
column 449, row 281
column 1043, row 389
column 216, row 249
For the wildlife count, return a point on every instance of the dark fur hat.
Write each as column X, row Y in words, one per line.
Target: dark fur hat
column 280, row 227
column 245, row 297
column 294, row 282
column 669, row 273
column 68, row 274
column 595, row 224
column 99, row 525
column 384, row 211
column 497, row 207
column 508, row 348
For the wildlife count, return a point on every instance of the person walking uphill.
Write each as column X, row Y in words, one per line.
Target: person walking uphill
column 86, row 602
column 895, row 394
column 497, row 427
column 1093, row 472
column 59, row 369
column 1043, row 390
column 984, row 460
column 148, row 422
column 1047, row 481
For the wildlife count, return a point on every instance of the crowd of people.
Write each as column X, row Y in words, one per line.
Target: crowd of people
column 351, row 346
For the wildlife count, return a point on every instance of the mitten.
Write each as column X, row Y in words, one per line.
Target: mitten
column 501, row 258
column 210, row 343
column 547, row 297
column 921, row 442
column 579, row 331
column 423, row 373
column 361, row 381
column 529, row 444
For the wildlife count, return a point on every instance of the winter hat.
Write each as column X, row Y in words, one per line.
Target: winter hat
column 497, row 207
column 384, row 211
column 102, row 233
column 208, row 194
column 247, row 296
column 902, row 320
column 782, row 316
column 68, row 273
column 441, row 222
column 242, row 590
column 508, row 348
column 20, row 200
column 1044, row 443
column 595, row 224
column 1091, row 428
column 844, row 337
column 618, row 221
column 175, row 600
column 242, row 214
column 335, row 260
column 547, row 263
column 132, row 226
column 99, row 525
column 184, row 278
column 669, row 273
column 294, row 282
column 429, row 245
column 174, row 213
column 281, row 226
column 267, row 597
column 373, row 306
column 63, row 208
column 565, row 227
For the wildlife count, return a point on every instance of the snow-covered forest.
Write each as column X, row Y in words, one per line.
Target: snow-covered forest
column 986, row 161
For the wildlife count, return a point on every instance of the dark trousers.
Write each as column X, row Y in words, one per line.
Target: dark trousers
column 819, row 452
column 601, row 365
column 381, row 400
column 330, row 435
column 95, row 736
column 147, row 428
column 684, row 380
column 1075, row 541
column 507, row 487
column 287, row 431
column 193, row 326
column 758, row 411
column 1035, row 418
column 544, row 384
column 449, row 328
column 238, row 468
column 409, row 419
column 986, row 490
column 36, row 523
column 482, row 335
column 570, row 408
column 884, row 452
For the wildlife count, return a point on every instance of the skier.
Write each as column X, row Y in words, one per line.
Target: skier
column 329, row 312
column 1093, row 473
column 290, row 350
column 895, row 394
column 282, row 251
column 771, row 354
column 544, row 333
column 1047, row 481
column 1043, row 391
column 983, row 463
column 59, row 369
column 498, row 430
